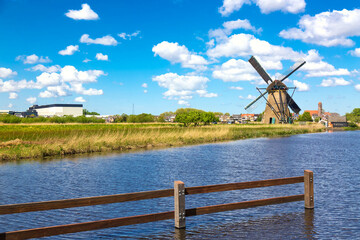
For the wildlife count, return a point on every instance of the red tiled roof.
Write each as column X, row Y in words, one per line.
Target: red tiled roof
column 248, row 115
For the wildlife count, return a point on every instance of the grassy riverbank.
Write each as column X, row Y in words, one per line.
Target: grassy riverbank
column 43, row 140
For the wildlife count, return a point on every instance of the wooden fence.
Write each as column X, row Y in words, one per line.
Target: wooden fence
column 179, row 214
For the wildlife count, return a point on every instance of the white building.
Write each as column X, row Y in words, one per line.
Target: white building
column 4, row 111
column 51, row 110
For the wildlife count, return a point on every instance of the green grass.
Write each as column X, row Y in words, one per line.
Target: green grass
column 38, row 141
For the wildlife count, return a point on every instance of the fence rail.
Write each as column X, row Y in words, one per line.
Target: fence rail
column 179, row 214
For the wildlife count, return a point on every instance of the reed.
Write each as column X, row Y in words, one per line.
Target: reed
column 40, row 141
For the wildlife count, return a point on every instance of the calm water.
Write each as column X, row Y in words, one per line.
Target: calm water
column 334, row 158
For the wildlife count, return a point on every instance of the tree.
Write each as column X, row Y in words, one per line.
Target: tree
column 86, row 112
column 120, row 118
column 354, row 116
column 183, row 118
column 187, row 110
column 259, row 118
column 208, row 117
column 305, row 117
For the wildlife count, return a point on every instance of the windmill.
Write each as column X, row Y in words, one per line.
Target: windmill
column 278, row 100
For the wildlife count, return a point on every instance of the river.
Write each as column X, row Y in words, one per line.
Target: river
column 333, row 157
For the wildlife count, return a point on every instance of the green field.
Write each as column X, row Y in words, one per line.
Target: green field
column 28, row 141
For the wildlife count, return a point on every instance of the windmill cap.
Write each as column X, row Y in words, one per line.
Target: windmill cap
column 275, row 85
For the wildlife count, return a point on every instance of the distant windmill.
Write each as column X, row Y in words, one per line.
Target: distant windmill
column 278, row 100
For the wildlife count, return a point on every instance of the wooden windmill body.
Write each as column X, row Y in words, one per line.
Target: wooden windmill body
column 278, row 100
column 277, row 109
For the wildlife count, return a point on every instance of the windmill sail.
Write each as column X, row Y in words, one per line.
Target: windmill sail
column 259, row 102
column 292, row 69
column 253, row 102
column 259, row 69
column 292, row 104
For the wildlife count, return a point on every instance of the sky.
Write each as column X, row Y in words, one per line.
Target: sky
column 143, row 56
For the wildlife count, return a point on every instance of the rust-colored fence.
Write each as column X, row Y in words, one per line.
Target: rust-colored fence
column 179, row 214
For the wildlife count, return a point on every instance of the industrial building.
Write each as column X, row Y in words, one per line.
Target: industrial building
column 57, row 110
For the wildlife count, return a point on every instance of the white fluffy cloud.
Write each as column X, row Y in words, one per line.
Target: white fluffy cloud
column 183, row 87
column 332, row 82
column 31, row 100
column 355, row 52
column 13, row 95
column 204, row 93
column 234, row 71
column 238, row 45
column 175, row 53
column 72, row 75
column 291, row 6
column 316, row 67
column 327, row 28
column 14, row 86
column 10, row 105
column 221, row 34
column 249, row 97
column 48, row 79
column 240, row 24
column 32, row 59
column 106, row 40
column 128, row 36
column 266, row 6
column 102, row 57
column 301, row 87
column 80, row 99
column 85, row 13
column 6, row 72
column 183, row 102
column 230, row 6
column 42, row 68
column 69, row 50
column 357, row 87
column 144, row 85
column 239, row 70
column 236, row 88
column 57, row 84
column 68, row 80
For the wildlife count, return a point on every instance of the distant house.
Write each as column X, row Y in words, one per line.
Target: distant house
column 236, row 118
column 249, row 117
column 335, row 120
column 224, row 118
column 170, row 118
column 107, row 118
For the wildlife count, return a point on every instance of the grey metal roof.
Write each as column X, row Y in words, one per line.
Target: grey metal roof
column 56, row 105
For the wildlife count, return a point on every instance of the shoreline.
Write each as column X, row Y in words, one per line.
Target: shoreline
column 27, row 142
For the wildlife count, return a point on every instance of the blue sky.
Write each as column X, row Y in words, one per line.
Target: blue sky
column 165, row 54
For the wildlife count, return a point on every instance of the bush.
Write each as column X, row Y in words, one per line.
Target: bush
column 195, row 117
column 352, row 125
column 305, row 117
column 56, row 119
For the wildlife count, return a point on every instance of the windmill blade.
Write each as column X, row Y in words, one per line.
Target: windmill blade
column 259, row 69
column 292, row 69
column 251, row 106
column 292, row 104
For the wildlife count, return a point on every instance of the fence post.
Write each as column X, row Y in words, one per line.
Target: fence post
column 179, row 197
column 309, row 189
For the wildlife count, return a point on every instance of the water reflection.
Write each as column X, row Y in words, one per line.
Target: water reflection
column 286, row 226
